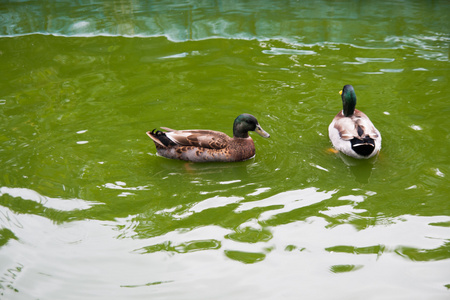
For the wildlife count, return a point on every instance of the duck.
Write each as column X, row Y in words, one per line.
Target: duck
column 351, row 131
column 209, row 145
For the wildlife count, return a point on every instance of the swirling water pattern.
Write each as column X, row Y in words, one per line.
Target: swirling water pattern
column 87, row 209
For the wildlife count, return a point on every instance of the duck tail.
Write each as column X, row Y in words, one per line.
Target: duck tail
column 160, row 138
column 364, row 146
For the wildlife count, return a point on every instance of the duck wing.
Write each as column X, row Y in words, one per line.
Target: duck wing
column 364, row 126
column 346, row 128
column 168, row 129
column 357, row 126
column 199, row 138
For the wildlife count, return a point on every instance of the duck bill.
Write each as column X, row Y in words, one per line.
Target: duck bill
column 261, row 131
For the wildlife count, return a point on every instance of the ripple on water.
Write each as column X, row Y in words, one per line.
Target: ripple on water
column 292, row 219
column 48, row 202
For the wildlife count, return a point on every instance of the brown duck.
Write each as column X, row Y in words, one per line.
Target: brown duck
column 209, row 145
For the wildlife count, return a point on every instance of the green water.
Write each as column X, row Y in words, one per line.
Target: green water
column 89, row 211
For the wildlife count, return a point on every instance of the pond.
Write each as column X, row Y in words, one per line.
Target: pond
column 88, row 210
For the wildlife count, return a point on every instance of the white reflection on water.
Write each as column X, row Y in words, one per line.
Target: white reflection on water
column 62, row 257
column 179, row 55
column 120, row 185
column 55, row 203
column 209, row 203
column 289, row 201
column 294, row 22
column 283, row 51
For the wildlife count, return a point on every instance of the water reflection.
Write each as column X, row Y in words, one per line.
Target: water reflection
column 249, row 230
column 245, row 257
column 345, row 268
column 360, row 168
column 241, row 228
column 300, row 22
column 417, row 254
column 27, row 201
column 84, row 199
column 47, row 202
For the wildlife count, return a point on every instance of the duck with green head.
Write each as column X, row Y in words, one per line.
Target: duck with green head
column 351, row 131
column 209, row 145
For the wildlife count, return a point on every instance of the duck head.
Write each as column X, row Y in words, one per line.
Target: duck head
column 245, row 123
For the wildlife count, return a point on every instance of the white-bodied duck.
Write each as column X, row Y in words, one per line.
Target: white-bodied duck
column 351, row 131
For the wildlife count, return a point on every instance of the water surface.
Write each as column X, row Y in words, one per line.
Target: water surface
column 88, row 210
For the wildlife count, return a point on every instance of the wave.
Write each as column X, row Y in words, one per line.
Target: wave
column 305, row 23
column 47, row 202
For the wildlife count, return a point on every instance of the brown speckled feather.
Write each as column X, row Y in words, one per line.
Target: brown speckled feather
column 203, row 146
column 199, row 138
column 356, row 126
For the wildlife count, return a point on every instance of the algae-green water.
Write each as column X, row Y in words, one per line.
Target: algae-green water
column 89, row 211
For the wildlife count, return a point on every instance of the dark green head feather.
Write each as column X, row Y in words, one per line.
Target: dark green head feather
column 245, row 123
column 348, row 100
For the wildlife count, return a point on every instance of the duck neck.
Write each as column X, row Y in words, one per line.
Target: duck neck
column 238, row 131
column 349, row 103
column 240, row 134
column 349, row 110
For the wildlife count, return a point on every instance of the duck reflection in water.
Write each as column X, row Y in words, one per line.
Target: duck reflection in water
column 360, row 168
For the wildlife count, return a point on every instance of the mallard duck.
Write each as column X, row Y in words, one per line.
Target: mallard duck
column 351, row 131
column 209, row 145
